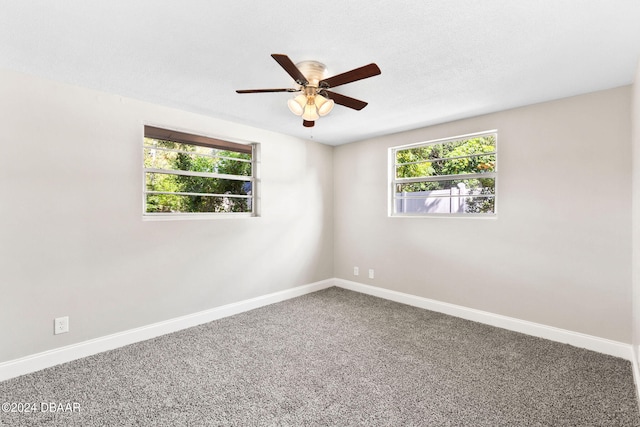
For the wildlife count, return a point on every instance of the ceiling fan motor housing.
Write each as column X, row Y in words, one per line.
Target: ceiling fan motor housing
column 314, row 71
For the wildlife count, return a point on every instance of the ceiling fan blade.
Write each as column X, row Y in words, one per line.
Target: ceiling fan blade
column 347, row 101
column 351, row 76
column 290, row 68
column 266, row 90
column 308, row 123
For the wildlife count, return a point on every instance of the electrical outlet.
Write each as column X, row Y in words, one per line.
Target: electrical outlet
column 60, row 325
column 371, row 275
column 356, row 271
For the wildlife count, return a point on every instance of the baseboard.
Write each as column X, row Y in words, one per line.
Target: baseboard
column 601, row 345
column 47, row 359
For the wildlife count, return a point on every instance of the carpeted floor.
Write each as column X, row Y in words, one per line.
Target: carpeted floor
column 333, row 358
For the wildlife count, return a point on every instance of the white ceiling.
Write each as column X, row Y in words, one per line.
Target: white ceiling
column 440, row 60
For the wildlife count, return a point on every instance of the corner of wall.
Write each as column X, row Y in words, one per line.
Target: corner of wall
column 635, row 226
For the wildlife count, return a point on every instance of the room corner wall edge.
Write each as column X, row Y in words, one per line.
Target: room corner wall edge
column 50, row 358
column 589, row 342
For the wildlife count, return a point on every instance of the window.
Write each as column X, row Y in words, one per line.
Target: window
column 191, row 174
column 456, row 176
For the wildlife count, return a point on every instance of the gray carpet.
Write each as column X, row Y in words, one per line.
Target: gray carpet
column 334, row 358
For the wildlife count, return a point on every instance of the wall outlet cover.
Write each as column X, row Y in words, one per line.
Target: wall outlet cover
column 61, row 325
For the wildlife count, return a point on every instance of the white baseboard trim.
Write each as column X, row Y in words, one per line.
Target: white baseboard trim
column 47, row 359
column 601, row 345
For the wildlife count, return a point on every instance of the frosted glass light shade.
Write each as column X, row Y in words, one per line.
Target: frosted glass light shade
column 310, row 112
column 295, row 107
column 324, row 105
column 297, row 104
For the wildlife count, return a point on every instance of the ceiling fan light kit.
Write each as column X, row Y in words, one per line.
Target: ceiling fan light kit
column 310, row 105
column 314, row 99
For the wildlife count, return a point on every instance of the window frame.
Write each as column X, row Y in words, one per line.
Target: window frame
column 394, row 181
column 184, row 137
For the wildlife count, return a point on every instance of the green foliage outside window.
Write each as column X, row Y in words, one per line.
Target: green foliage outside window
column 208, row 194
column 459, row 157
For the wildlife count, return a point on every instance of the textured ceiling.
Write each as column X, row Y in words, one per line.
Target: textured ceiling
column 440, row 60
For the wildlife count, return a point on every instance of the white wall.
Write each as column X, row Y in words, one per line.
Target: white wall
column 72, row 238
column 555, row 254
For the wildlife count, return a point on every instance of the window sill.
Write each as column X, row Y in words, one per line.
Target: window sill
column 195, row 216
column 446, row 216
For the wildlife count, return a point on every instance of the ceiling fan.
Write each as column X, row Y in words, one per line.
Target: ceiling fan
column 315, row 98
